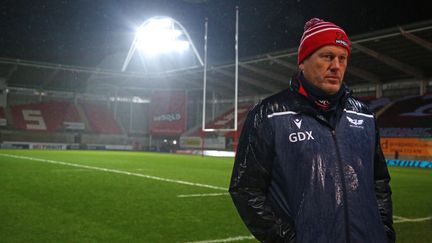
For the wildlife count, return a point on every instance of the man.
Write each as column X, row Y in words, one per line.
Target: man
column 309, row 166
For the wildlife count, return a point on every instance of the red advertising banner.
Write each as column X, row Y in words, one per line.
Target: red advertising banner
column 168, row 112
column 44, row 116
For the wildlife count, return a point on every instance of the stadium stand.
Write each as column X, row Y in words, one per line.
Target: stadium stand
column 101, row 119
column 48, row 117
column 407, row 117
column 217, row 139
column 374, row 104
column 225, row 120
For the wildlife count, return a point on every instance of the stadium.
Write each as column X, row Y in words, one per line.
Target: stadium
column 96, row 154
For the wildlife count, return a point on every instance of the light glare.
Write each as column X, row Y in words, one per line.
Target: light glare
column 160, row 36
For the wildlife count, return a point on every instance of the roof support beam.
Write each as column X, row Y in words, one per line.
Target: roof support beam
column 184, row 80
column 363, row 74
column 423, row 86
column 220, row 87
column 70, row 68
column 262, row 85
column 229, row 86
column 265, row 73
column 49, row 78
column 406, row 68
column 215, row 84
column 291, row 66
column 11, row 72
column 378, row 90
column 419, row 41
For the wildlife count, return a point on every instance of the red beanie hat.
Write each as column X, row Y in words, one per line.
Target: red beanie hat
column 318, row 33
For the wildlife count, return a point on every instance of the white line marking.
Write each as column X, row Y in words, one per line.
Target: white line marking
column 237, row 238
column 403, row 220
column 117, row 172
column 143, row 169
column 398, row 217
column 68, row 170
column 204, row 195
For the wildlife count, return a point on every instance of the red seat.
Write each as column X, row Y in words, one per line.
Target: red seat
column 2, row 117
column 101, row 119
column 226, row 120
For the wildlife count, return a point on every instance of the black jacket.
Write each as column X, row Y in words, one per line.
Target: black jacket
column 296, row 178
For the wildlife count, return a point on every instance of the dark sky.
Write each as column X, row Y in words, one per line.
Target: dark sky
column 83, row 32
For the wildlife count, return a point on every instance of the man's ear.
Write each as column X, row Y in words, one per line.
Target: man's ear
column 301, row 66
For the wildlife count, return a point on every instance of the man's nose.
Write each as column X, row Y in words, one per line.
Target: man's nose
column 335, row 64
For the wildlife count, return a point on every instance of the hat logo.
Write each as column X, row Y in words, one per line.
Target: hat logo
column 339, row 39
column 341, row 42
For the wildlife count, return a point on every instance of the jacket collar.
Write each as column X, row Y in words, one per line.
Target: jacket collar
column 305, row 105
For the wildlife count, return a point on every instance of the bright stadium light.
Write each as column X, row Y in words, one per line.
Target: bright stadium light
column 160, row 35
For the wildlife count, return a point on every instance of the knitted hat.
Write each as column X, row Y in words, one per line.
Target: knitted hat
column 318, row 33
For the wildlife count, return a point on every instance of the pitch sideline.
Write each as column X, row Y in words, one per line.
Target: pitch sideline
column 398, row 219
column 116, row 171
column 204, row 195
column 237, row 238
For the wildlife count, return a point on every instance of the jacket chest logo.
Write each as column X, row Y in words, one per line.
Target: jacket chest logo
column 300, row 136
column 298, row 123
column 357, row 123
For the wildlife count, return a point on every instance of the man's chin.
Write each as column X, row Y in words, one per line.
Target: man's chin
column 331, row 89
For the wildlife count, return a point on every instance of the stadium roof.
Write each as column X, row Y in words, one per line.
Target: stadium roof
column 401, row 54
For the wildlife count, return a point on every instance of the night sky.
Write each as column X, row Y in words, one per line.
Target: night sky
column 83, row 32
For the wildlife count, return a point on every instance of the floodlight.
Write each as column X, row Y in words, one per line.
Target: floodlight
column 160, row 23
column 161, row 35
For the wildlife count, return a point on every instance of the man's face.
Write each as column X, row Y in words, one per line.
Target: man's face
column 325, row 68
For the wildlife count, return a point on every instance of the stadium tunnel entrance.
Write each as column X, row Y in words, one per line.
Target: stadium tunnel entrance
column 165, row 144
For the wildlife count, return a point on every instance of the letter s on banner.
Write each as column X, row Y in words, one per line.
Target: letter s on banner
column 34, row 120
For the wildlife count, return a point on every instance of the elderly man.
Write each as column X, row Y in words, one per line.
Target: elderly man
column 309, row 166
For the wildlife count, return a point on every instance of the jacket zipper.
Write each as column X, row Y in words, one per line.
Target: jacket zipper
column 344, row 196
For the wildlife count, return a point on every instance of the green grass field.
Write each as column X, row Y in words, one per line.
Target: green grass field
column 100, row 196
